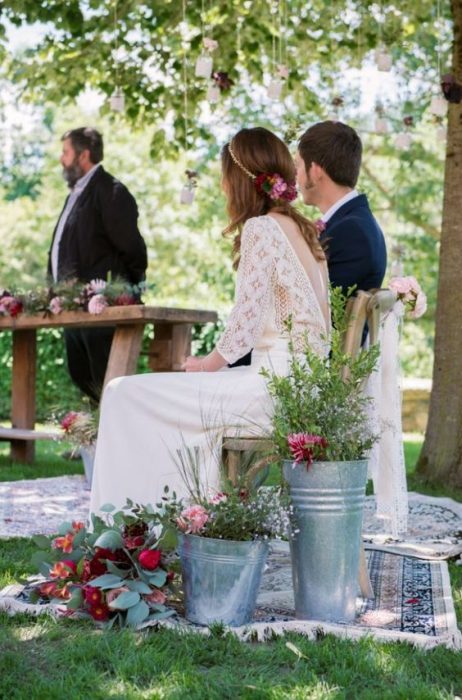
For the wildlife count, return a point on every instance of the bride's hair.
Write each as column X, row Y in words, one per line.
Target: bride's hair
column 250, row 153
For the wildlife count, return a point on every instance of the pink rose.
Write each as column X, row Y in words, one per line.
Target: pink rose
column 97, row 304
column 192, row 519
column 420, row 306
column 55, row 305
column 156, row 597
column 400, row 285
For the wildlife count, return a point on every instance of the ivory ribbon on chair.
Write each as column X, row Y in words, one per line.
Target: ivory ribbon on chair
column 386, row 459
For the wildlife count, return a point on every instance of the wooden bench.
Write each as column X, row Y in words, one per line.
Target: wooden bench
column 171, row 344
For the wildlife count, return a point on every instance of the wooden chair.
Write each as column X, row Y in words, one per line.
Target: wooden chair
column 364, row 307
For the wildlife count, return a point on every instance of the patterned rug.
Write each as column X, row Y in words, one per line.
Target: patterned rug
column 40, row 505
column 412, row 603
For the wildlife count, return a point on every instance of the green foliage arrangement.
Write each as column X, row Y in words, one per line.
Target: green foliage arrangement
column 323, row 398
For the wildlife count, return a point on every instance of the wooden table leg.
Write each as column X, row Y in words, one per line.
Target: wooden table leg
column 125, row 350
column 170, row 347
column 23, row 392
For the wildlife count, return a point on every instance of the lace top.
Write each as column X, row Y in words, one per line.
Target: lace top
column 271, row 286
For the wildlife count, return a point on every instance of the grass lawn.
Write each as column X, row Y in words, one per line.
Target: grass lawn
column 42, row 659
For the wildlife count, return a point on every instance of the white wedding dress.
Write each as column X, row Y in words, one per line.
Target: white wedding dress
column 146, row 418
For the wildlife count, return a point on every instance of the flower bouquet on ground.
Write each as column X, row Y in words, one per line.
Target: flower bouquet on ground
column 116, row 574
column 222, row 542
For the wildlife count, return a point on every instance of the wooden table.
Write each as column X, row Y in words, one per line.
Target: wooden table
column 171, row 344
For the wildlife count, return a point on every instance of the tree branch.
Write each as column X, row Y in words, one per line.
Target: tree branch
column 411, row 217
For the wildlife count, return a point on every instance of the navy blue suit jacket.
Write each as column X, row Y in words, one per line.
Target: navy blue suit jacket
column 355, row 247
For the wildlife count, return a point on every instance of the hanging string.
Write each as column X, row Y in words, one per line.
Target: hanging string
column 279, row 10
column 284, row 32
column 185, row 77
column 116, row 47
column 438, row 38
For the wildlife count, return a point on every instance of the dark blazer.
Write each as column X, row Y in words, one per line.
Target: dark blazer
column 355, row 247
column 101, row 234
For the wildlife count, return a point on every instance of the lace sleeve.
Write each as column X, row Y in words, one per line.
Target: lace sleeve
column 253, row 289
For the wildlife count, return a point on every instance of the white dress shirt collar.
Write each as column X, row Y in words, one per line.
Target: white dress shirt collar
column 339, row 203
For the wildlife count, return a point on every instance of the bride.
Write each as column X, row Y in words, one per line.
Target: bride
column 281, row 273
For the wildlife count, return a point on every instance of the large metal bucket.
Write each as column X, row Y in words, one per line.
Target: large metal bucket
column 220, row 578
column 328, row 501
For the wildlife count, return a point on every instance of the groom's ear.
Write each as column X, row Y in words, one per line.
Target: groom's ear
column 316, row 172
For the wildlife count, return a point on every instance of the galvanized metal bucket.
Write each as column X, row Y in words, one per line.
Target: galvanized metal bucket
column 220, row 578
column 328, row 501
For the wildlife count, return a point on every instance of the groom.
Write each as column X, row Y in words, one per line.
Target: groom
column 328, row 164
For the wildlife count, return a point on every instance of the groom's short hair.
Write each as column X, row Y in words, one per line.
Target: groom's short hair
column 84, row 138
column 336, row 147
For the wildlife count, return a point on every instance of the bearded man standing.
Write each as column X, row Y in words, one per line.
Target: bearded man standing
column 96, row 237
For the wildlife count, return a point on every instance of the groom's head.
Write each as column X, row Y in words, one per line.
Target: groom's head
column 329, row 156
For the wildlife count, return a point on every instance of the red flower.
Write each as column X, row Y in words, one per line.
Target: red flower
column 93, row 596
column 99, row 612
column 150, row 558
column 305, row 447
column 170, row 576
column 76, row 525
column 97, row 563
column 48, row 589
column 125, row 299
column 63, row 569
column 64, row 543
column 68, row 420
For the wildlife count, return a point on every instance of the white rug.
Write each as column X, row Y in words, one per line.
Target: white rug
column 41, row 505
column 412, row 603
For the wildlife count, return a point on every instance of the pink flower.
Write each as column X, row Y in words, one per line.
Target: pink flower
column 420, row 306
column 113, row 594
column 305, row 447
column 192, row 519
column 96, row 286
column 210, row 44
column 283, row 72
column 156, row 597
column 218, row 498
column 97, row 304
column 55, row 305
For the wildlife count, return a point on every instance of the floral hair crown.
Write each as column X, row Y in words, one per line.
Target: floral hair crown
column 271, row 184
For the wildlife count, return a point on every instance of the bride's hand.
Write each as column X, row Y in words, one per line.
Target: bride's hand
column 193, row 364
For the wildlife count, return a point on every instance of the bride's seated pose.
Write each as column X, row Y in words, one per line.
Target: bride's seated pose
column 281, row 273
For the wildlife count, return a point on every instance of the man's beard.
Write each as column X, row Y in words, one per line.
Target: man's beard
column 72, row 173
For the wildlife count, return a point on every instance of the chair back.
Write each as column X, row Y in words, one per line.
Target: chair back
column 365, row 307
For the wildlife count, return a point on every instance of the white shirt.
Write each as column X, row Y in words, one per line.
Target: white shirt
column 73, row 197
column 339, row 203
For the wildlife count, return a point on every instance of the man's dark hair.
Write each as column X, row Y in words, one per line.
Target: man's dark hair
column 86, row 138
column 334, row 146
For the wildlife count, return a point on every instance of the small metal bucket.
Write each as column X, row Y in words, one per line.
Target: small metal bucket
column 220, row 578
column 328, row 501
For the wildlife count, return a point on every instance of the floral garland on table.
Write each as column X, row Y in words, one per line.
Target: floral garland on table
column 94, row 297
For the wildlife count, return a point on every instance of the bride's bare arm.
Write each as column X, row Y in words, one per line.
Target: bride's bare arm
column 210, row 363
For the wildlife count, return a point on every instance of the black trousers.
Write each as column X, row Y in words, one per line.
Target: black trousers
column 87, row 357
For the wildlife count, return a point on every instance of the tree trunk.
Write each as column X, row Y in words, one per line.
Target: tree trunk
column 441, row 458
